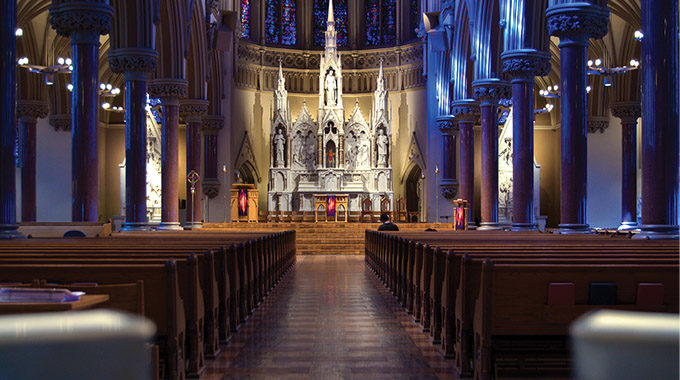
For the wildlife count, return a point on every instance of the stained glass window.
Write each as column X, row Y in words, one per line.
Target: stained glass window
column 381, row 22
column 245, row 18
column 279, row 17
column 414, row 18
column 321, row 17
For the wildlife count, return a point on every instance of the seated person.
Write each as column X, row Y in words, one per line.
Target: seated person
column 387, row 224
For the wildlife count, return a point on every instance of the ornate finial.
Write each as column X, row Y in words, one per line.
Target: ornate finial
column 331, row 19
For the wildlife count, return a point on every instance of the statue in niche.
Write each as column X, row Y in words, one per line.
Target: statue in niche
column 351, row 154
column 330, row 88
column 363, row 151
column 279, row 141
column 298, row 149
column 382, row 142
column 310, row 144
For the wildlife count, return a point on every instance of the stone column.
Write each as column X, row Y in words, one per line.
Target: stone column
column 84, row 22
column 628, row 112
column 466, row 112
column 192, row 111
column 660, row 119
column 28, row 112
column 8, row 69
column 489, row 92
column 134, row 63
column 212, row 124
column 448, row 125
column 523, row 65
column 170, row 91
column 574, row 24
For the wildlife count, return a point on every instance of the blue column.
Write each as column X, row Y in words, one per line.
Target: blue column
column 523, row 65
column 660, row 119
column 8, row 62
column 574, row 24
column 628, row 112
column 489, row 92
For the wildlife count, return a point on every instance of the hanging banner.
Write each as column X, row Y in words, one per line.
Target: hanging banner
column 242, row 202
column 330, row 206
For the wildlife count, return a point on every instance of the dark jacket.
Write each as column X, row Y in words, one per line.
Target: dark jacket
column 389, row 226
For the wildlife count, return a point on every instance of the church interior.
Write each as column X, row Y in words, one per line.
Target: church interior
column 220, row 168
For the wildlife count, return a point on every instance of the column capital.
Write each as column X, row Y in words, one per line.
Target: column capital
column 167, row 89
column 465, row 110
column 490, row 91
column 575, row 23
column 447, row 124
column 525, row 64
column 31, row 110
column 68, row 17
column 193, row 109
column 60, row 122
column 598, row 123
column 212, row 124
column 628, row 112
column 211, row 187
column 132, row 60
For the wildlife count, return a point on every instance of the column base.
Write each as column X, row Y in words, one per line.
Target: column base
column 570, row 229
column 489, row 226
column 523, row 227
column 628, row 226
column 10, row 231
column 472, row 227
column 135, row 226
column 658, row 232
column 169, row 226
column 193, row 225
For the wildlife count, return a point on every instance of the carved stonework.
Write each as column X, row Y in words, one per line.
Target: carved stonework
column 361, row 68
column 526, row 64
column 133, row 60
column 465, row 110
column 60, row 122
column 193, row 107
column 82, row 15
column 449, row 191
column 168, row 88
column 447, row 124
column 491, row 91
column 577, row 21
column 628, row 112
column 598, row 124
column 32, row 109
column 211, row 187
column 212, row 123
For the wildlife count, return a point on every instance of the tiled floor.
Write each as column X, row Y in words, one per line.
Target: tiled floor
column 329, row 319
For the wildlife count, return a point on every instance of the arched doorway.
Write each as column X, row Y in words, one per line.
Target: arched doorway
column 414, row 194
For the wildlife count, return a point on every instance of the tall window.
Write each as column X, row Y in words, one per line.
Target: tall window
column 381, row 22
column 414, row 20
column 321, row 17
column 245, row 18
column 280, row 22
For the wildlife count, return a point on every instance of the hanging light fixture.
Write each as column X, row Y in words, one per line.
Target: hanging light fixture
column 596, row 68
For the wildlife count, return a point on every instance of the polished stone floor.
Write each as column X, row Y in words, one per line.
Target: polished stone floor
column 330, row 318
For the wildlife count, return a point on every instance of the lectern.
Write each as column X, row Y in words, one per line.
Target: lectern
column 244, row 202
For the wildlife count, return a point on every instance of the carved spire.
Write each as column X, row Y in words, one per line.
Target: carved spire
column 281, row 96
column 380, row 97
column 331, row 33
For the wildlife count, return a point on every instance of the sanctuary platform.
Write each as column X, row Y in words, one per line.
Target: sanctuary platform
column 326, row 238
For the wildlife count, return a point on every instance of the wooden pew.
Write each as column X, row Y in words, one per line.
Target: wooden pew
column 165, row 308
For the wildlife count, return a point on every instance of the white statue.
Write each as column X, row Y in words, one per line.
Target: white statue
column 310, row 144
column 298, row 149
column 330, row 88
column 279, row 141
column 382, row 142
column 362, row 156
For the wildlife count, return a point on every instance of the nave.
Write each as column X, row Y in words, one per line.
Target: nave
column 330, row 318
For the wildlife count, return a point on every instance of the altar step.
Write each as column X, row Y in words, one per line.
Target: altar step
column 325, row 238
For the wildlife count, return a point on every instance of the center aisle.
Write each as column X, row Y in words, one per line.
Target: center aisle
column 330, row 318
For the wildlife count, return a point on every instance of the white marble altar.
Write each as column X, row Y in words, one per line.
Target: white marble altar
column 332, row 154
